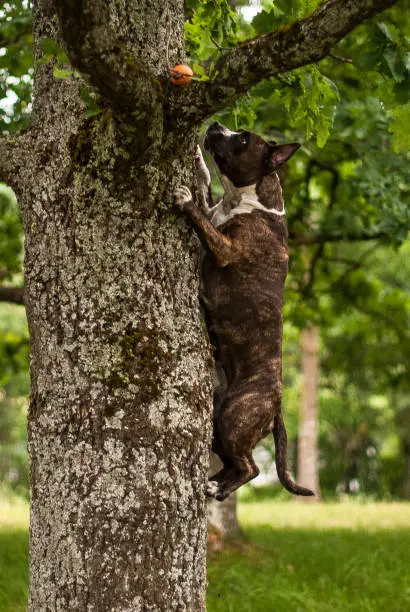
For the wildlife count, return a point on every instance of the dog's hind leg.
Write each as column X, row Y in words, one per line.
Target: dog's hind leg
column 238, row 468
column 228, row 479
column 217, row 480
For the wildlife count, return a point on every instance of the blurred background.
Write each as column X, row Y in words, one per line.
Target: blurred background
column 346, row 345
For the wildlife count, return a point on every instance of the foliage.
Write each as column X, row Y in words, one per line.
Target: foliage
column 379, row 53
column 212, row 26
column 14, row 352
column 16, row 64
column 11, row 234
column 14, row 387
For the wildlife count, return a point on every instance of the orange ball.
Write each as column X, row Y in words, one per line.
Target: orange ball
column 181, row 75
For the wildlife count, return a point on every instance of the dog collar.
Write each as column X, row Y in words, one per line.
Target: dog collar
column 247, row 201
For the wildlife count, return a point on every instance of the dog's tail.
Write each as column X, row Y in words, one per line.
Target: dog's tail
column 281, row 455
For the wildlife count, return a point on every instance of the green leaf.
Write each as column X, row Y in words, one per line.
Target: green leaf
column 91, row 107
column 199, row 72
column 62, row 73
column 265, row 22
column 212, row 27
column 92, row 112
column 386, row 31
column 52, row 50
column 395, row 64
column 399, row 127
column 49, row 46
column 367, row 60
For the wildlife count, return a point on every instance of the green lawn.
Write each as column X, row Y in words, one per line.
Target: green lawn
column 327, row 557
column 13, row 553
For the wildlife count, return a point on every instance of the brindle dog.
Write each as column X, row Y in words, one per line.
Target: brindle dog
column 244, row 267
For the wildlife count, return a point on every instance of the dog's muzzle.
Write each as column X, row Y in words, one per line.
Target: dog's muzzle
column 214, row 133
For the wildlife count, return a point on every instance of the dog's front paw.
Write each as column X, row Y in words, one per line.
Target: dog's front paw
column 215, row 489
column 182, row 197
column 212, row 488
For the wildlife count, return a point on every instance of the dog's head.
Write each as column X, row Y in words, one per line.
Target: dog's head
column 244, row 157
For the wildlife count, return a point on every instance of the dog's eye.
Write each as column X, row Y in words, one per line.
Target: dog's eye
column 244, row 137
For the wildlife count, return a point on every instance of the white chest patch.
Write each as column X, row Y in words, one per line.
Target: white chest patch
column 238, row 201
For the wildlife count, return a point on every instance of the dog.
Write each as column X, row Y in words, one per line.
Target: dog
column 243, row 270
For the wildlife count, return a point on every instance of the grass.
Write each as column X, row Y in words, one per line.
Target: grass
column 13, row 553
column 325, row 557
column 291, row 557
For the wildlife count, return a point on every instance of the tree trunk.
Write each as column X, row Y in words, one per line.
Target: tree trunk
column 119, row 421
column 222, row 517
column 308, row 422
column 406, row 484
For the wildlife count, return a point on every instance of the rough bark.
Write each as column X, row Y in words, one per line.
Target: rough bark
column 119, row 421
column 303, row 42
column 308, row 421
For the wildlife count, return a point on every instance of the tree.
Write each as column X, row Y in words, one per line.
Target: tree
column 308, row 427
column 222, row 518
column 119, row 422
column 365, row 373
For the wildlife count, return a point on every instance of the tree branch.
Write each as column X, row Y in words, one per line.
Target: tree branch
column 15, row 295
column 96, row 49
column 339, row 58
column 289, row 47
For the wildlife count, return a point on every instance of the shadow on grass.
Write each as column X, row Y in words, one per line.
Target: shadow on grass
column 291, row 570
column 13, row 570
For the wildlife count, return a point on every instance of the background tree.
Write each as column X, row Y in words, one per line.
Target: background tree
column 222, row 516
column 119, row 422
column 308, row 420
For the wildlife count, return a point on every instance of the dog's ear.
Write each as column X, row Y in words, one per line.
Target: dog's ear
column 279, row 154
